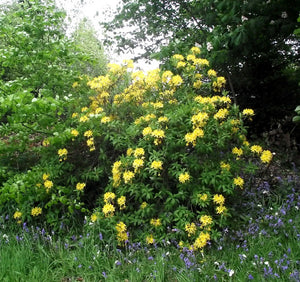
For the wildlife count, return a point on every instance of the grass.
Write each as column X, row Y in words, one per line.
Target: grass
column 262, row 245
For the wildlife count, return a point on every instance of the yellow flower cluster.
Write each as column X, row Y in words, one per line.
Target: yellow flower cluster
column 225, row 166
column 190, row 228
column 139, row 152
column 219, row 84
column 48, row 184
column 206, row 220
column 116, row 173
column 143, row 205
column 108, row 210
column 150, row 239
column 203, row 197
column 238, row 181
column 237, row 151
column 74, row 132
column 266, row 156
column 219, row 199
column 147, row 131
column 184, row 177
column 94, row 217
column 191, row 137
column 128, row 176
column 17, row 215
column 122, row 202
column 256, row 149
column 122, row 235
column 212, row 73
column 137, row 164
column 248, row 112
column 155, row 222
column 156, row 165
column 221, row 114
column 62, row 153
column 201, row 240
column 36, row 211
column 109, row 197
column 80, row 186
column 200, row 119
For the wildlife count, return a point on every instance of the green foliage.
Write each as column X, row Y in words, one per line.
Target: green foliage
column 297, row 117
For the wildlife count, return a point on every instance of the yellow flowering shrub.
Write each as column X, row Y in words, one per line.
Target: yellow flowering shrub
column 153, row 152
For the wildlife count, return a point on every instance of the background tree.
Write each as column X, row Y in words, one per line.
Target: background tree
column 250, row 42
column 85, row 38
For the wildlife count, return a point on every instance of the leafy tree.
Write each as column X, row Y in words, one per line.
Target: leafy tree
column 250, row 42
column 86, row 40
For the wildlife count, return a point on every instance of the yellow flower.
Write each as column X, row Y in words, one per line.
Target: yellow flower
column 109, row 197
column 195, row 50
column 106, row 119
column 150, row 239
column 75, row 84
column 129, row 151
column 156, row 165
column 167, row 76
column 217, row 85
column 46, row 143
column 201, row 240
column 155, row 222
column 36, row 211
column 181, row 65
column 178, row 57
column 147, row 131
column 121, row 227
column 88, row 133
column 17, row 215
column 84, row 109
column 137, row 163
column 248, row 112
column 74, row 132
column 205, row 220
column 256, row 149
column 220, row 209
column 122, row 237
column 176, row 80
column 48, row 184
column 127, row 176
column 225, row 166
column 238, row 181
column 212, row 73
column 197, row 84
column 203, row 197
column 83, row 119
column 237, row 151
column 221, row 114
column 121, row 202
column 139, row 152
column 184, row 177
column 108, row 210
column 62, row 153
column 190, row 228
column 80, row 186
column 266, row 156
column 163, row 119
column 94, row 217
column 45, row 176
column 143, row 205
column 158, row 133
column 74, row 115
column 219, row 199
